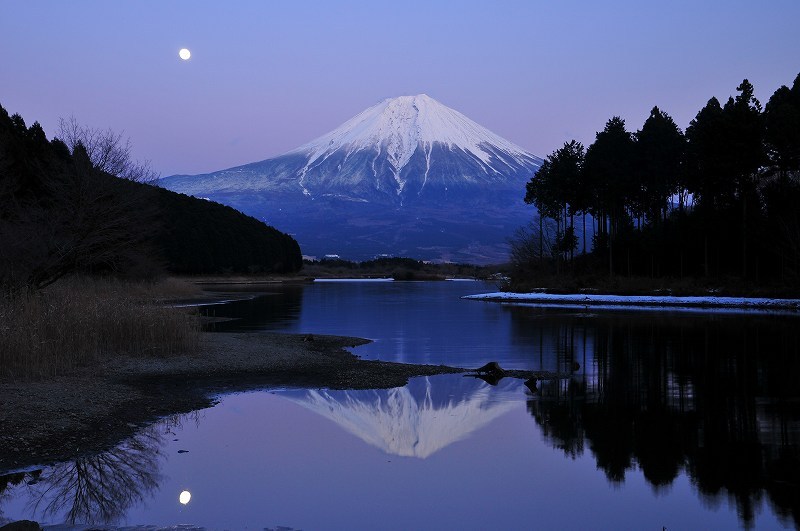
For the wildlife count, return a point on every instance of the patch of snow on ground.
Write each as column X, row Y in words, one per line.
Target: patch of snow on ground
column 709, row 301
column 353, row 280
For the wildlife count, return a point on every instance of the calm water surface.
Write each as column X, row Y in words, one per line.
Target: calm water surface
column 412, row 322
column 686, row 420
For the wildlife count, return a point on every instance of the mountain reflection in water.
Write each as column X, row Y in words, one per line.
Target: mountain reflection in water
column 704, row 408
column 419, row 419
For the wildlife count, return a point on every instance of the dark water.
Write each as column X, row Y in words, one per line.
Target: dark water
column 683, row 420
column 412, row 322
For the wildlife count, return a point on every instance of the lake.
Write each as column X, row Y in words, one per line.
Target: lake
column 676, row 419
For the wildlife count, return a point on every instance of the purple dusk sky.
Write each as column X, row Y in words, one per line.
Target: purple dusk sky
column 268, row 76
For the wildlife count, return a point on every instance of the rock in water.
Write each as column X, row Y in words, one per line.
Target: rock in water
column 21, row 525
column 491, row 368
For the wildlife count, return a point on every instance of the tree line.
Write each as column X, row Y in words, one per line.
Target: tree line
column 718, row 200
column 395, row 267
column 76, row 205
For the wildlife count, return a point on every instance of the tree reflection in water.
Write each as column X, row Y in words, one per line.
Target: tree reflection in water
column 99, row 489
column 714, row 396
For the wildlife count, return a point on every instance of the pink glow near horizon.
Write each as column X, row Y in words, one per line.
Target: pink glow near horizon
column 265, row 77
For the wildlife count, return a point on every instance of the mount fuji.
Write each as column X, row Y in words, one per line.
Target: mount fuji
column 417, row 420
column 406, row 177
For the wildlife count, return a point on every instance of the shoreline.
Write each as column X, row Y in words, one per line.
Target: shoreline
column 666, row 302
column 95, row 408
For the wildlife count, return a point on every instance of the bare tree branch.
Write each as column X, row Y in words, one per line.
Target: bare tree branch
column 108, row 150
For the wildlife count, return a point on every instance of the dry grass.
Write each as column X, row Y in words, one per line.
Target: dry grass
column 79, row 321
column 164, row 290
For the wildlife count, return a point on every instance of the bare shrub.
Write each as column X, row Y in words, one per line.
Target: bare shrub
column 533, row 246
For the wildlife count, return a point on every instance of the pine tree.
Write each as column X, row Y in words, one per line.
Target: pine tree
column 609, row 175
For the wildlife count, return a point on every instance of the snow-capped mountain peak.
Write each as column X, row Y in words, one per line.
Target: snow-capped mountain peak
column 402, row 125
column 409, row 148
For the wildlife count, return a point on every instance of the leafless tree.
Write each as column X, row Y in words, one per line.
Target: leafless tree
column 532, row 245
column 108, row 150
column 85, row 219
column 102, row 487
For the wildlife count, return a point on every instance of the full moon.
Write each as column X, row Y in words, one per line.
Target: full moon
column 185, row 497
column 185, row 54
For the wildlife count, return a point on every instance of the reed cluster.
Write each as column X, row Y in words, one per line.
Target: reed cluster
column 79, row 321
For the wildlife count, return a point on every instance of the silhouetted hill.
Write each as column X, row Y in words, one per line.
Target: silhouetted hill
column 199, row 236
column 59, row 214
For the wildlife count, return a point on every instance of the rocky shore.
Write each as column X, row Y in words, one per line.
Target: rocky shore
column 96, row 407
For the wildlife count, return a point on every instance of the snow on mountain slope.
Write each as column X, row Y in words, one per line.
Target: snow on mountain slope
column 419, row 419
column 393, row 151
column 408, row 123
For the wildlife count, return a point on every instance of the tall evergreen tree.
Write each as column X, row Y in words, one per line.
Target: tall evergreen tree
column 707, row 170
column 745, row 136
column 540, row 192
column 782, row 129
column 747, row 155
column 555, row 191
column 609, row 174
column 707, row 164
column 782, row 194
column 660, row 148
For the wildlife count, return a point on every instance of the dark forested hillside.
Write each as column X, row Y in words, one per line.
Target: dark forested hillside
column 198, row 236
column 61, row 214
